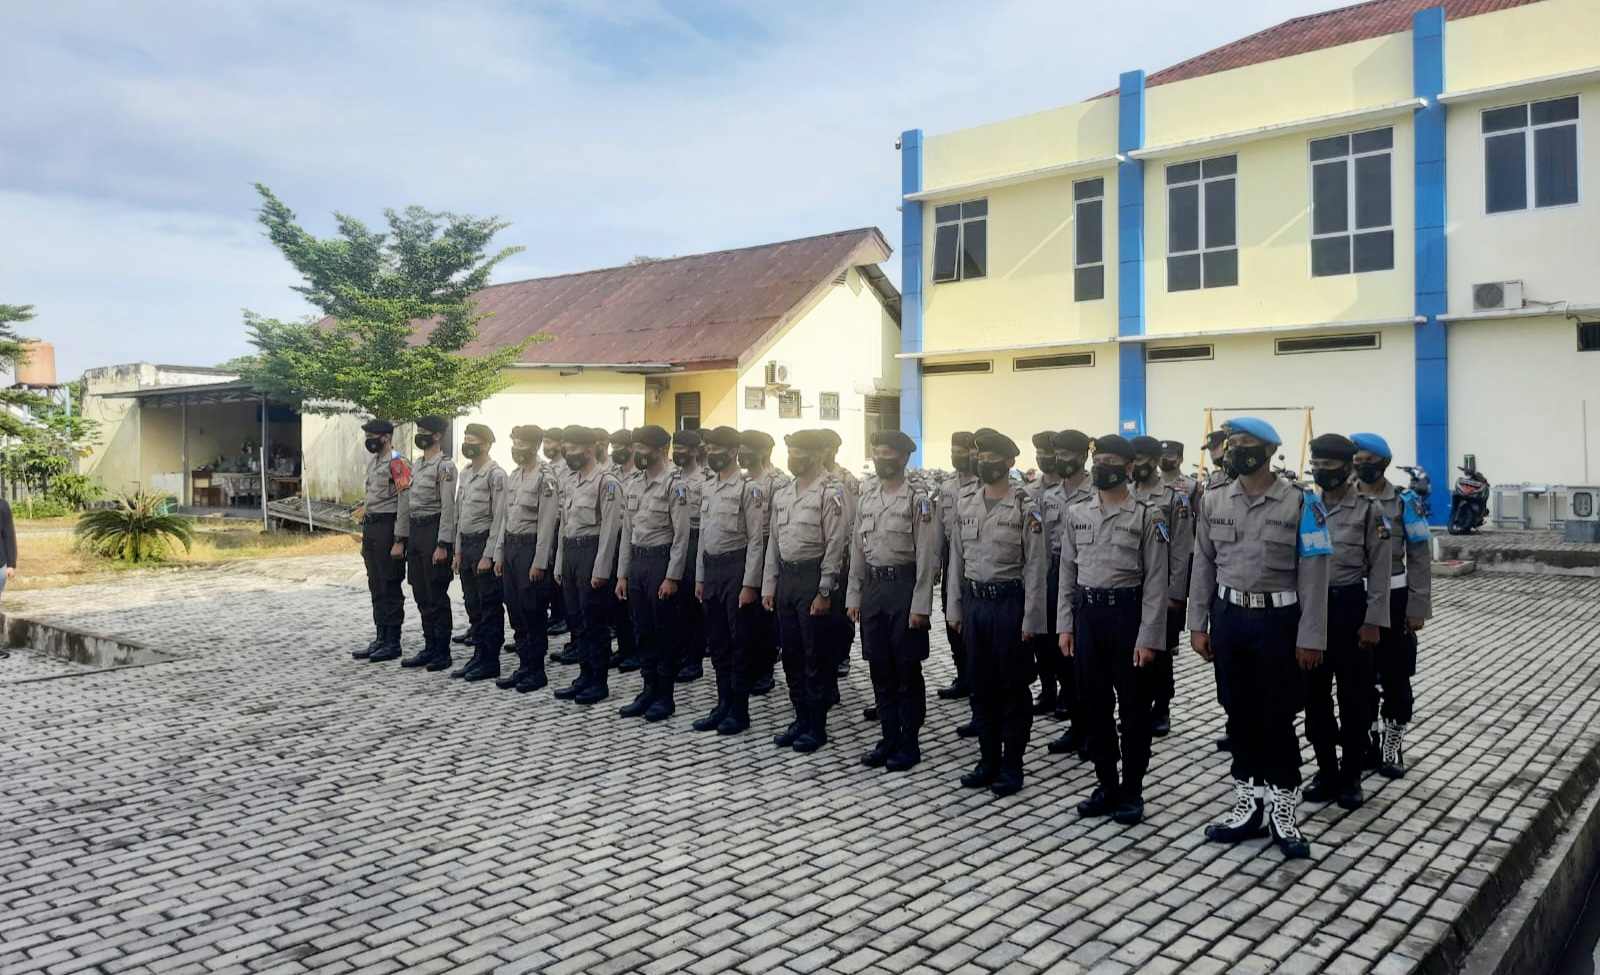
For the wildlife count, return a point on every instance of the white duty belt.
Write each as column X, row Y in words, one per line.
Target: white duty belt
column 1257, row 600
column 1397, row 581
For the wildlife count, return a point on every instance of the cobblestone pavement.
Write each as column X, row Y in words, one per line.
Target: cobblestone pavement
column 267, row 804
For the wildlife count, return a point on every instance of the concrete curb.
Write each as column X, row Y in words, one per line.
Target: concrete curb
column 100, row 654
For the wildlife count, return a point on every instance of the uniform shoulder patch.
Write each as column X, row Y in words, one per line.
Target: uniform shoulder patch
column 682, row 494
column 447, row 472
column 1035, row 522
column 924, row 508
column 1314, row 538
column 400, row 472
column 1161, row 529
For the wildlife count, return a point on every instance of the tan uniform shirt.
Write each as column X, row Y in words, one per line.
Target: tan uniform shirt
column 656, row 512
column 1412, row 560
column 1057, row 499
column 531, row 510
column 1360, row 551
column 433, row 492
column 1001, row 544
column 898, row 527
column 383, row 497
column 695, row 479
column 949, row 508
column 1174, row 504
column 1253, row 545
column 733, row 515
column 481, row 503
column 1117, row 546
column 808, row 522
column 592, row 507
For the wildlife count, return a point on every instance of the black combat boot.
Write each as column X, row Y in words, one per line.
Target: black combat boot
column 715, row 715
column 371, row 648
column 906, row 756
column 981, row 777
column 1101, row 802
column 1246, row 820
column 464, row 638
column 1392, row 757
column 534, row 679
column 879, row 756
column 958, row 689
column 1009, row 781
column 815, row 733
column 738, row 717
column 692, row 670
column 421, row 657
column 662, row 704
column 1324, row 786
column 763, row 685
column 641, row 702
column 1283, row 820
column 1071, row 740
column 389, row 649
column 440, row 659
column 1130, row 803
column 790, row 734
column 524, row 664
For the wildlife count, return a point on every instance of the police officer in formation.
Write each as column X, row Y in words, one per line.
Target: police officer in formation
column 755, row 457
column 894, row 557
column 1174, row 499
column 430, row 542
column 963, row 459
column 1071, row 457
column 523, row 552
column 688, row 456
column 1114, row 566
column 650, row 570
column 843, row 630
column 731, row 560
column 480, row 513
column 383, row 517
column 1217, row 477
column 591, row 529
column 1045, row 655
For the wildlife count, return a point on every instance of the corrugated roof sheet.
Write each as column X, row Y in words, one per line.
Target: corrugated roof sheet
column 699, row 311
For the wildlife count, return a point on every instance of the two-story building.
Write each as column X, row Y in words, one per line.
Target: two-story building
column 1377, row 218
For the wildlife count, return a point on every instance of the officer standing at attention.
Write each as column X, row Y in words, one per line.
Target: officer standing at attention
column 1045, row 653
column 384, row 518
column 556, row 465
column 1112, row 612
column 527, row 541
column 626, row 657
column 1173, row 498
column 688, row 455
column 804, row 586
column 480, row 513
column 1358, row 606
column 893, row 561
column 1044, row 460
column 733, row 521
column 1410, row 596
column 650, row 570
column 591, row 527
column 1262, row 548
column 950, row 492
column 431, row 501
column 844, row 635
column 1218, row 477
column 755, row 456
column 1073, row 485
column 999, row 557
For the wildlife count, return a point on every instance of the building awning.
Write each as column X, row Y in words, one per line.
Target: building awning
column 996, row 182
column 1359, row 117
column 1563, row 83
column 1147, row 338
column 203, row 394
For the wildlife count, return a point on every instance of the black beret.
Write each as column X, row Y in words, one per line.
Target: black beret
column 1045, row 440
column 894, row 440
column 1113, row 444
column 687, row 438
column 722, row 437
column 556, row 434
column 996, row 443
column 807, row 440
column 1072, row 441
column 650, row 436
column 378, row 426
column 1333, row 446
column 620, row 438
column 1215, row 437
column 756, row 440
column 832, row 437
column 480, row 431
column 577, row 433
column 531, row 433
column 1171, row 447
column 1146, row 445
column 962, row 438
column 433, row 424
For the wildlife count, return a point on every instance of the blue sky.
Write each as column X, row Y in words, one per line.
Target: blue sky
column 131, row 132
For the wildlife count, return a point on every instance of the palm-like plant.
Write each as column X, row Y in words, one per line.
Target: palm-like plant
column 136, row 529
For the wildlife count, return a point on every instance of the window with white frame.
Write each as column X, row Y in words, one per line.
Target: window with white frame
column 1530, row 155
column 1202, row 225
column 1352, row 203
column 1089, row 255
column 827, row 406
column 960, row 241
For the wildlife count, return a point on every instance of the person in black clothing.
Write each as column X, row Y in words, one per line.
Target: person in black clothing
column 8, row 542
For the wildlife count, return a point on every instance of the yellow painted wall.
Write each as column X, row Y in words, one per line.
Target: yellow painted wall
column 1084, row 130
column 716, row 391
column 1545, row 38
column 1018, row 404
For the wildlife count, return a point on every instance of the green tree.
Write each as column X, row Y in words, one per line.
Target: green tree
column 43, row 447
column 399, row 311
column 15, row 403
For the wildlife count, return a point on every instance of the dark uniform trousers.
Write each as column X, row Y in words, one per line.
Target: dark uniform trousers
column 385, row 573
column 622, row 626
column 525, row 599
column 1162, row 679
column 958, row 640
column 1105, row 632
column 1256, row 664
column 1053, row 682
column 691, row 615
column 655, row 620
column 430, row 583
column 1351, row 666
column 729, row 628
column 1000, row 668
column 481, row 592
column 894, row 652
column 843, row 629
column 1397, row 660
column 807, row 651
column 589, row 609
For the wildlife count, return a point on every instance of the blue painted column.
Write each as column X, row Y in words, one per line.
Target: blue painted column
column 911, row 289
column 1130, row 255
column 1432, row 347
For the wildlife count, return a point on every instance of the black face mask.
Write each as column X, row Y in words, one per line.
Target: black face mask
column 423, row 440
column 1221, row 463
column 802, row 466
column 1108, row 476
column 1247, row 460
column 471, row 451
column 747, row 459
column 1170, row 464
column 992, row 471
column 1331, row 478
column 1143, row 472
column 681, row 458
column 374, row 444
column 643, row 460
column 887, row 469
column 521, row 454
column 718, row 462
column 1069, row 467
column 552, row 453
column 1047, row 464
column 963, row 463
column 1370, row 473
column 576, row 460
column 620, row 456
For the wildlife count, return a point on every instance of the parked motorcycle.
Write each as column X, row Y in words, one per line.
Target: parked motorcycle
column 1422, row 486
column 1469, row 501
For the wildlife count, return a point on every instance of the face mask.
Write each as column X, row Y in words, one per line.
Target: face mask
column 801, row 466
column 1248, row 460
column 1108, row 476
column 1330, row 478
column 1069, row 467
column 681, row 458
column 1143, row 472
column 642, row 460
column 718, row 462
column 1370, row 473
column 1170, row 464
column 575, row 461
column 620, row 456
column 887, row 469
column 552, row 452
column 747, row 459
column 374, row 444
column 992, row 471
column 471, row 451
column 1046, row 463
column 423, row 440
column 521, row 454
column 962, row 463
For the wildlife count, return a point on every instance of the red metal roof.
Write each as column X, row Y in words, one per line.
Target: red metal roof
column 700, row 311
column 1314, row 32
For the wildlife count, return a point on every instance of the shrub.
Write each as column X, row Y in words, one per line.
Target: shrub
column 136, row 529
column 45, row 507
column 76, row 491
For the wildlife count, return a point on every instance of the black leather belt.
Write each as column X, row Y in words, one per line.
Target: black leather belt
column 1085, row 596
column 379, row 516
column 581, row 541
column 804, row 565
column 993, row 590
column 519, row 537
column 725, row 558
column 474, row 535
column 1349, row 589
column 424, row 519
column 891, row 573
column 651, row 551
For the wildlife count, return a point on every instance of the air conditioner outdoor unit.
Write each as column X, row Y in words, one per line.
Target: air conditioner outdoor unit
column 1583, row 504
column 777, row 373
column 1497, row 296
